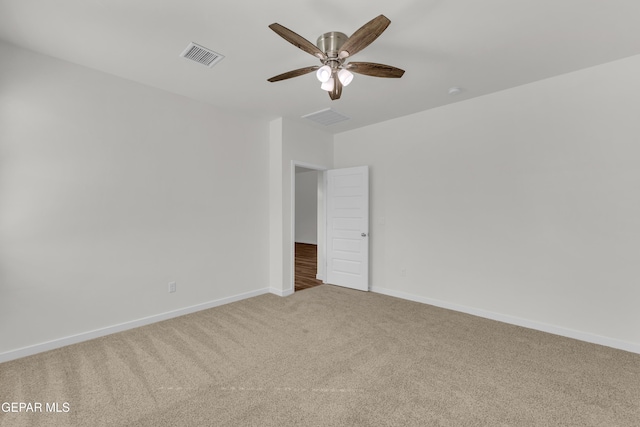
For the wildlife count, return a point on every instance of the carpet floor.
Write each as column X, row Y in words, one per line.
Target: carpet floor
column 327, row 356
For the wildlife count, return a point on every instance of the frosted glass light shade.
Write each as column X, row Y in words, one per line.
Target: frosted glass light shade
column 345, row 77
column 328, row 85
column 324, row 73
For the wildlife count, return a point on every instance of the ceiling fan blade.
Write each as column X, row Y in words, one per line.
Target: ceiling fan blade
column 337, row 88
column 294, row 73
column 364, row 36
column 298, row 41
column 375, row 70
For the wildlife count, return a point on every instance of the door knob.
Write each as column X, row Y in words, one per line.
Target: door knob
column 363, row 234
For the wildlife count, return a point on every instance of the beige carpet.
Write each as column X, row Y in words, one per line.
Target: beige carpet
column 327, row 356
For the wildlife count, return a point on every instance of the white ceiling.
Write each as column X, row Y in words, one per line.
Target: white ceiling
column 480, row 46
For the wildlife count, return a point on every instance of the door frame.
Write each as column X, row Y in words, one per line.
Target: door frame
column 321, row 236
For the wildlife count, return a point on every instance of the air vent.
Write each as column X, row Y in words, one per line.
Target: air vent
column 326, row 117
column 201, row 55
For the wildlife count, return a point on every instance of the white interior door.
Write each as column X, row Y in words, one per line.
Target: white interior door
column 347, row 229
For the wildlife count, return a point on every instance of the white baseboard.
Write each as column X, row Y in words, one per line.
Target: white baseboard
column 307, row 242
column 280, row 292
column 85, row 336
column 539, row 326
column 320, row 277
column 570, row 333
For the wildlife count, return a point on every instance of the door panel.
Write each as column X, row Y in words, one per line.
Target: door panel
column 348, row 227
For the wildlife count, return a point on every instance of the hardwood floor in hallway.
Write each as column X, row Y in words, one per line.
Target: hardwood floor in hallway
column 306, row 266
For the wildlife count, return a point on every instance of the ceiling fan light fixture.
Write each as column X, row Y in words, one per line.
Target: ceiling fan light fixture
column 332, row 49
column 345, row 77
column 328, row 85
column 324, row 73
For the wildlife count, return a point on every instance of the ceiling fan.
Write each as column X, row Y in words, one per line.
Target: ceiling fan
column 332, row 50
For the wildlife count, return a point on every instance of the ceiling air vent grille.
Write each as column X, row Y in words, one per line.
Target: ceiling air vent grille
column 201, row 55
column 326, row 117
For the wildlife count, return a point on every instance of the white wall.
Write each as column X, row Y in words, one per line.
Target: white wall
column 109, row 190
column 289, row 142
column 306, row 223
column 522, row 205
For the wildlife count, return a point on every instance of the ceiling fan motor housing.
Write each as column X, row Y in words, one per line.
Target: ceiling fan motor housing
column 330, row 43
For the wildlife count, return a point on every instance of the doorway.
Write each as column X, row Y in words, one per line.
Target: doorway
column 342, row 197
column 307, row 226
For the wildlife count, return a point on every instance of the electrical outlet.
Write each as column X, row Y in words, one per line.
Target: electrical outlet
column 172, row 287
